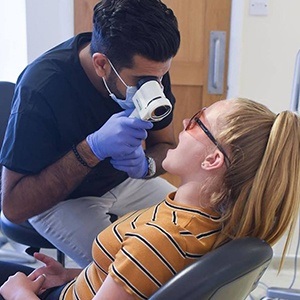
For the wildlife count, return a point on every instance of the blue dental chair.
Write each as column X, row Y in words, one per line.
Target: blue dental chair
column 230, row 272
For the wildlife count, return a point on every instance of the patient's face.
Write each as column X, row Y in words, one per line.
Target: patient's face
column 185, row 160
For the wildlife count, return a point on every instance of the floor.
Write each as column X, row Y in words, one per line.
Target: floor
column 269, row 279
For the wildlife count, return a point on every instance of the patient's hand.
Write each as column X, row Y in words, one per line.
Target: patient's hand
column 19, row 287
column 56, row 274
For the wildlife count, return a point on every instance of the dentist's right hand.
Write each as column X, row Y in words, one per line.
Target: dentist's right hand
column 119, row 136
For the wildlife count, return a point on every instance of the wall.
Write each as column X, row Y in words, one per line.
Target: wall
column 13, row 53
column 263, row 52
column 48, row 23
column 28, row 28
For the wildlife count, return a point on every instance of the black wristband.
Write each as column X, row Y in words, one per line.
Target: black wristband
column 79, row 158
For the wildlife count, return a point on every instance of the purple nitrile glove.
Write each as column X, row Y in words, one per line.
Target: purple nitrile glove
column 119, row 136
column 134, row 164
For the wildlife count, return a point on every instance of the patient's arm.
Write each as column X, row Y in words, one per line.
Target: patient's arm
column 111, row 290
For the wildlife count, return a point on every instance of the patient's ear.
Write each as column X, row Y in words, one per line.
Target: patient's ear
column 101, row 64
column 213, row 161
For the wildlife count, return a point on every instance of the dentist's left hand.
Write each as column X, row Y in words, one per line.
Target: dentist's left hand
column 134, row 164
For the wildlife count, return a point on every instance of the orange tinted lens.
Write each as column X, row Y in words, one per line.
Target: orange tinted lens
column 191, row 124
column 192, row 121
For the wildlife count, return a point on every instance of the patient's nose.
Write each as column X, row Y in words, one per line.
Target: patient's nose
column 185, row 123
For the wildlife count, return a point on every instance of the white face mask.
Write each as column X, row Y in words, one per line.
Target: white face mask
column 130, row 91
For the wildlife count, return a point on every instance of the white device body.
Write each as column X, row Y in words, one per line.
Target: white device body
column 150, row 102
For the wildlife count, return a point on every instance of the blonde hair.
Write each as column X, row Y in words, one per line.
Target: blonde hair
column 261, row 191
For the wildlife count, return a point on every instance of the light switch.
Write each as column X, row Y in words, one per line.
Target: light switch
column 258, row 7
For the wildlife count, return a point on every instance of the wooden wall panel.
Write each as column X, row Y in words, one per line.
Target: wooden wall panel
column 83, row 15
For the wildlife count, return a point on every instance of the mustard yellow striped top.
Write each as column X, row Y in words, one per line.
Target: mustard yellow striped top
column 144, row 249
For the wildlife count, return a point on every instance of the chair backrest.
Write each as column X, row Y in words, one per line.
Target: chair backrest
column 231, row 271
column 6, row 94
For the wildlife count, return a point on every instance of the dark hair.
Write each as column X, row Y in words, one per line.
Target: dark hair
column 124, row 28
